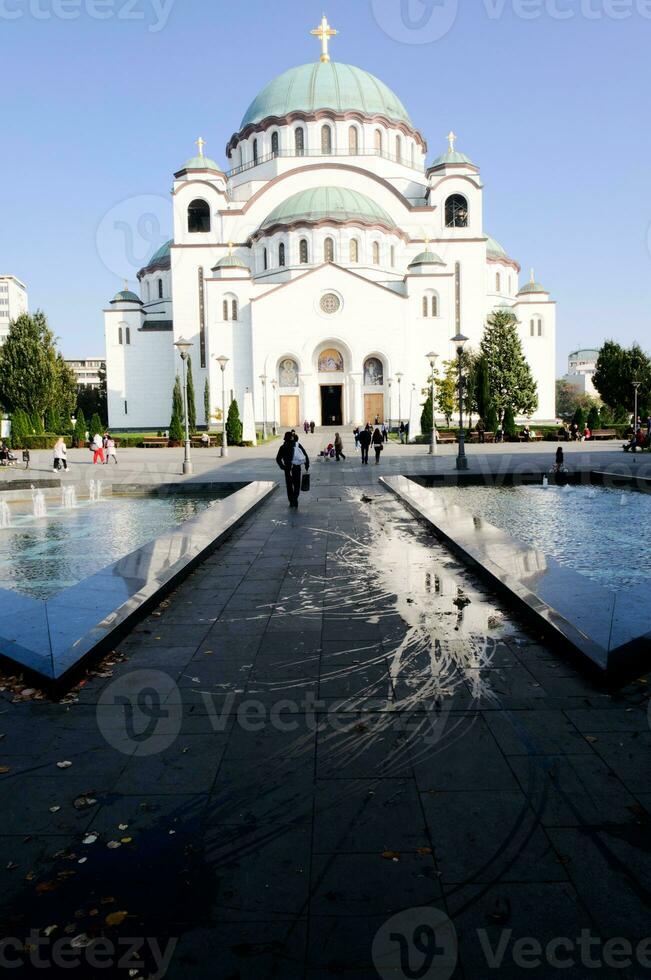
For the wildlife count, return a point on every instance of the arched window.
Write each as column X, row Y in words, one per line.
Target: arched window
column 326, row 139
column 147, row 290
column 120, row 335
column 225, row 309
column 425, row 306
column 160, row 288
column 255, row 151
column 234, row 315
column 399, row 149
column 393, row 256
column 376, row 253
column 299, row 141
column 275, row 144
column 265, row 258
column 540, row 328
column 354, row 250
column 230, row 308
column 303, row 252
column 329, row 250
column 378, row 140
column 498, row 282
column 435, row 305
column 456, row 212
column 127, row 334
column 413, row 155
column 353, row 141
column 430, row 304
column 198, row 216
column 281, row 254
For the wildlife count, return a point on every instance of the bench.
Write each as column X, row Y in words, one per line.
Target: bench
column 198, row 443
column 604, row 434
column 445, row 440
column 474, row 437
column 155, row 442
column 533, row 438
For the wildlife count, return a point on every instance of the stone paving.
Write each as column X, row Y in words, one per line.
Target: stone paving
column 330, row 723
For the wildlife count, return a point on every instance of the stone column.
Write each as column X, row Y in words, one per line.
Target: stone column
column 307, row 399
column 355, row 401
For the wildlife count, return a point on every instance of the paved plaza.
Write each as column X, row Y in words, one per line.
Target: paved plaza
column 330, row 752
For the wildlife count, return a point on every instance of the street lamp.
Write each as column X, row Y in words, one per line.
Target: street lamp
column 432, row 357
column 274, row 385
column 460, row 342
column 636, row 387
column 399, row 377
column 390, row 386
column 183, row 347
column 264, row 379
column 223, row 361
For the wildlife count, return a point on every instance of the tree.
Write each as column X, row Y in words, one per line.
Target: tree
column 21, row 427
column 96, row 426
column 52, row 420
column 37, row 424
column 28, row 365
column 427, row 416
column 491, row 421
column 510, row 380
column 482, row 388
column 192, row 408
column 91, row 399
column 176, row 422
column 617, row 369
column 510, row 430
column 446, row 391
column 79, row 432
column 206, row 402
column 579, row 419
column 594, row 420
column 234, row 425
column 569, row 398
column 64, row 395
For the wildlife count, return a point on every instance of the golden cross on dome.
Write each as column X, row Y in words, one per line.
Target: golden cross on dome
column 126, row 285
column 324, row 32
column 230, row 248
column 533, row 278
column 200, row 143
column 452, row 139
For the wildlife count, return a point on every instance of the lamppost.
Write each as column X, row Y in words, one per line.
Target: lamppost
column 183, row 346
column 636, row 388
column 432, row 357
column 399, row 377
column 390, row 386
column 460, row 342
column 274, row 385
column 264, row 379
column 223, row 361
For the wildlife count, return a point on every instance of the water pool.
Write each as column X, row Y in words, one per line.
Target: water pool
column 599, row 532
column 42, row 556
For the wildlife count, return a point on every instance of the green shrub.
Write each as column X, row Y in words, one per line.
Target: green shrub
column 44, row 441
column 510, row 431
column 96, row 427
column 234, row 425
column 579, row 419
column 21, row 428
column 80, row 428
column 594, row 420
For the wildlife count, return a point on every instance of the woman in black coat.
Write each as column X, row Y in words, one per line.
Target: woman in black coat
column 378, row 445
column 291, row 458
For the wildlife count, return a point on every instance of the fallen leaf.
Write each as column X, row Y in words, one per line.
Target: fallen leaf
column 49, row 930
column 123, row 826
column 113, row 844
column 391, row 855
column 126, row 840
column 54, row 809
column 64, row 765
column 115, row 918
column 89, row 839
column 424, row 850
column 80, row 942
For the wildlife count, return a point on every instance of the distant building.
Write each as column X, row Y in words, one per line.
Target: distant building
column 87, row 371
column 13, row 302
column 581, row 366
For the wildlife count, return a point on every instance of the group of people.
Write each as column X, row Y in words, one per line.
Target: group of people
column 103, row 449
column 639, row 438
column 367, row 437
column 308, row 427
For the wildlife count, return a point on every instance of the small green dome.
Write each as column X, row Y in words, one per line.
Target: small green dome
column 161, row 254
column 200, row 163
column 452, row 156
column 495, row 250
column 427, row 258
column 231, row 262
column 326, row 85
column 126, row 296
column 336, row 204
column 533, row 287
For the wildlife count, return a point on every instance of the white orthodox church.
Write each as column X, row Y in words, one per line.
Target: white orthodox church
column 325, row 264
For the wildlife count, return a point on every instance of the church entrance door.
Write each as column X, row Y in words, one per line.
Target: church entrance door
column 289, row 418
column 373, row 408
column 331, row 405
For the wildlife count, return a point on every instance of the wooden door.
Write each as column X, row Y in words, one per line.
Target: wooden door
column 289, row 417
column 373, row 405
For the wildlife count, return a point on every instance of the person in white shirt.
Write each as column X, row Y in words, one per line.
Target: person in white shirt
column 60, row 455
column 110, row 451
column 291, row 458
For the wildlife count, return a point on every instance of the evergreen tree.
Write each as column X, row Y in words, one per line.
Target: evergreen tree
column 446, row 391
column 594, row 421
column 510, row 380
column 617, row 369
column 510, row 430
column 491, row 421
column 579, row 419
column 192, row 408
column 52, row 420
column 482, row 388
column 21, row 428
column 36, row 420
column 234, row 425
column 79, row 432
column 96, row 427
column 427, row 417
column 176, row 422
column 206, row 402
column 64, row 397
column 28, row 366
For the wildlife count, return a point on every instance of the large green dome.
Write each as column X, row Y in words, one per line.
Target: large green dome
column 326, row 85
column 337, row 204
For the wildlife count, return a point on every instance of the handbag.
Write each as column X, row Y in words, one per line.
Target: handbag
column 305, row 482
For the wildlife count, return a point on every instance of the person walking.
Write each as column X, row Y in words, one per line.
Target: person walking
column 312, row 427
column 403, row 432
column 97, row 449
column 356, row 436
column 306, row 426
column 481, row 430
column 378, row 444
column 365, row 438
column 111, row 450
column 60, row 455
column 385, row 431
column 339, row 447
column 291, row 458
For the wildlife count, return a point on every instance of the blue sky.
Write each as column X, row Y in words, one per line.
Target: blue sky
column 549, row 97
